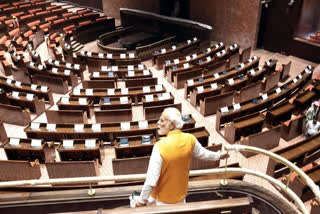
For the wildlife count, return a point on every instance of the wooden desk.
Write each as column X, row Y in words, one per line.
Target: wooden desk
column 24, row 151
column 208, row 91
column 157, row 101
column 207, row 80
column 74, row 104
column 34, row 105
column 115, row 104
column 135, row 148
column 279, row 113
column 244, row 126
column 79, row 152
column 304, row 99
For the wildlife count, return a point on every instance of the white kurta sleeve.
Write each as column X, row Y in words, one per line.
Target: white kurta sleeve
column 204, row 154
column 153, row 174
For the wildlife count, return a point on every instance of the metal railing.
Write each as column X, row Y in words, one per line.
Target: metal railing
column 282, row 186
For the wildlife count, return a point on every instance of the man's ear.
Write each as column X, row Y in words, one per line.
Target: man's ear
column 172, row 125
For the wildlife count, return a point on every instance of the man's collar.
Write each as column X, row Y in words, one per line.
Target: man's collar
column 176, row 131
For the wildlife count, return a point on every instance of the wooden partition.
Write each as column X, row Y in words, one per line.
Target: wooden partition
column 271, row 81
column 98, row 84
column 210, row 105
column 14, row 115
column 66, row 116
column 117, row 115
column 154, row 112
column 285, row 71
column 234, row 60
column 57, row 85
column 292, row 128
column 71, row 169
column 248, row 92
column 19, row 170
column 140, row 82
column 245, row 54
column 3, row 134
column 265, row 140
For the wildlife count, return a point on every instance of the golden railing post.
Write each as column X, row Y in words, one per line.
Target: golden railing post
column 224, row 181
column 91, row 191
column 288, row 181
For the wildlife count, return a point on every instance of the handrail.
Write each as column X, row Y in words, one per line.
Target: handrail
column 226, row 170
column 315, row 188
column 90, row 180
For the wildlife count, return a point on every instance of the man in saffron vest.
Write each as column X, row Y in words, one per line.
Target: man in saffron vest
column 168, row 171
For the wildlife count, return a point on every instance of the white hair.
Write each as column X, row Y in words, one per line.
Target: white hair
column 174, row 116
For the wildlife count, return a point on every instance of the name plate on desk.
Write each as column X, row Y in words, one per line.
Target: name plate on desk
column 110, row 91
column 231, row 81
column 190, row 82
column 114, row 68
column 44, row 88
column 255, row 57
column 300, row 76
column 208, row 58
column 158, row 87
column 176, row 61
column 236, row 106
column 124, row 100
column 260, row 68
column 109, row 56
column 264, row 96
column 89, row 54
column 51, row 127
column 96, row 127
column 40, row 67
column 186, row 65
column 122, row 56
column 189, row 41
column 249, row 60
column 200, row 89
column 216, row 75
column 9, row 81
column 30, row 97
column 76, row 91
column 278, row 90
column 35, row 143
column 78, row 127
column 68, row 65
column 90, row 143
column 214, row 86
column 307, row 71
column 188, row 58
column 194, row 56
column 143, row 124
column 125, row 126
column 14, row 142
column 146, row 72
column 82, row 53
column 67, row 144
column 96, row 74
column 131, row 73
column 31, row 64
column 242, row 65
column 57, row 63
column 55, row 70
column 195, row 39
column 35, row 126
column 101, row 55
column 267, row 63
column 208, row 50
column 18, row 84
column 295, row 80
column 146, row 89
column 166, row 95
column 309, row 67
column 174, row 47
column 131, row 55
column 124, row 90
column 65, row 100
column 130, row 67
column 224, row 110
column 163, row 51
column 252, row 72
column 140, row 67
column 89, row 91
column 15, row 94
column 149, row 98
column 34, row 87
column 104, row 68
column 49, row 60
